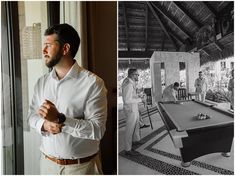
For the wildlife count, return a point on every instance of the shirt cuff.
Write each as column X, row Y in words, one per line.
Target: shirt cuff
column 69, row 123
column 39, row 126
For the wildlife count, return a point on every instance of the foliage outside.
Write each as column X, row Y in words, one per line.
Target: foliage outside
column 217, row 80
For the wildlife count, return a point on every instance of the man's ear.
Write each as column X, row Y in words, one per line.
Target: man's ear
column 66, row 48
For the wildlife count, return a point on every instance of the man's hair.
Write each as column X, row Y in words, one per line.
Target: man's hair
column 131, row 71
column 65, row 34
column 176, row 84
column 200, row 72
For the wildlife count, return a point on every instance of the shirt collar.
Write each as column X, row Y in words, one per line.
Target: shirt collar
column 172, row 87
column 132, row 82
column 72, row 73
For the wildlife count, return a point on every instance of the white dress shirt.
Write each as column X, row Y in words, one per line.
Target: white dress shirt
column 231, row 88
column 129, row 94
column 131, row 111
column 200, row 85
column 81, row 96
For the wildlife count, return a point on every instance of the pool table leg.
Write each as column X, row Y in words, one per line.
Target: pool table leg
column 228, row 154
column 185, row 164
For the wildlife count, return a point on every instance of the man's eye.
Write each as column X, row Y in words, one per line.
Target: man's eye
column 48, row 45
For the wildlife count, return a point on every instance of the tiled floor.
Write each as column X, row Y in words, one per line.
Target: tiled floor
column 163, row 157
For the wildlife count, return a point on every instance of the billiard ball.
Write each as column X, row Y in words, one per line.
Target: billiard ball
column 203, row 117
column 200, row 114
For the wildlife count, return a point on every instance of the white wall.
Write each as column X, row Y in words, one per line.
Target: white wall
column 32, row 13
column 171, row 61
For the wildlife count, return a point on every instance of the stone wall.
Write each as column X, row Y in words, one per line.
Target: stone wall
column 171, row 61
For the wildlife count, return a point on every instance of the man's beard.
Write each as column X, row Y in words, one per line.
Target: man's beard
column 54, row 60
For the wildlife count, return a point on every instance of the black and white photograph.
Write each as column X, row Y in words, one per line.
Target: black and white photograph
column 175, row 87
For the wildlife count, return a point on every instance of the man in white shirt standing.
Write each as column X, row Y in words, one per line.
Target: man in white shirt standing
column 231, row 89
column 68, row 109
column 201, row 87
column 131, row 111
column 170, row 92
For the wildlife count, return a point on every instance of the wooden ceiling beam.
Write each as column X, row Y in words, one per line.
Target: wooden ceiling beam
column 187, row 13
column 126, row 28
column 212, row 10
column 227, row 8
column 168, row 16
column 216, row 43
column 139, row 26
column 135, row 54
column 161, row 24
column 218, row 46
column 146, row 28
column 205, row 52
column 176, row 37
column 220, row 4
column 163, row 41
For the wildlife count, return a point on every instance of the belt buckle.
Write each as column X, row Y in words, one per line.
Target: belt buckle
column 58, row 161
column 61, row 161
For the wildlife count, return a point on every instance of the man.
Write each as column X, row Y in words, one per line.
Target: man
column 130, row 107
column 231, row 89
column 170, row 92
column 68, row 109
column 201, row 87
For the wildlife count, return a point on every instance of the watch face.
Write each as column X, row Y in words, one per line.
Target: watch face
column 62, row 118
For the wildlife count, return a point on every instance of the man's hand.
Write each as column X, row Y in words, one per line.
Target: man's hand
column 48, row 111
column 51, row 127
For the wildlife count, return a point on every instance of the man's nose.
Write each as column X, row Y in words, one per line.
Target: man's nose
column 44, row 50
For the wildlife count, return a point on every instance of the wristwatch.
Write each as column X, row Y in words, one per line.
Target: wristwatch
column 61, row 118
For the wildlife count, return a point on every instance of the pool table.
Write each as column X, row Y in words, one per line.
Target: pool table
column 195, row 137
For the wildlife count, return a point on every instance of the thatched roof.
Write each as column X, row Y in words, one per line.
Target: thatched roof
column 142, row 64
column 132, row 63
column 212, row 53
column 191, row 26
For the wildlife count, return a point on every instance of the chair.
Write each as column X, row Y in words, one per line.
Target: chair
column 191, row 95
column 182, row 94
column 148, row 93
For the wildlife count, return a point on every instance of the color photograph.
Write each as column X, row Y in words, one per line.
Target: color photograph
column 58, row 103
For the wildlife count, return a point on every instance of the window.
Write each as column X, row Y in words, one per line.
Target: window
column 232, row 65
column 182, row 69
column 21, row 59
column 163, row 76
column 223, row 65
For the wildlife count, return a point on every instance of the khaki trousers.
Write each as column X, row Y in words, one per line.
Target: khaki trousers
column 48, row 167
column 201, row 96
column 132, row 132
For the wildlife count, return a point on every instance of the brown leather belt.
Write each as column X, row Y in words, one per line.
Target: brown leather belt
column 71, row 161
